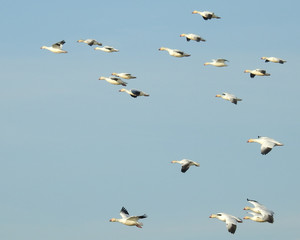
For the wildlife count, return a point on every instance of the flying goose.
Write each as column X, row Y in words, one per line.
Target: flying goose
column 265, row 214
column 129, row 220
column 56, row 47
column 257, row 217
column 185, row 164
column 114, row 80
column 220, row 62
column 231, row 221
column 174, row 52
column 229, row 97
column 124, row 75
column 206, row 15
column 134, row 93
column 90, row 42
column 106, row 49
column 273, row 59
column 258, row 72
column 266, row 144
column 191, row 36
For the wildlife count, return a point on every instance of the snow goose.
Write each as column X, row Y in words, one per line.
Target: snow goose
column 257, row 217
column 56, row 47
column 231, row 221
column 265, row 214
column 273, row 59
column 134, row 93
column 186, row 164
column 206, row 15
column 129, row 220
column 191, row 36
column 174, row 52
column 220, row 62
column 106, row 49
column 258, row 72
column 229, row 97
column 124, row 75
column 113, row 80
column 90, row 42
column 266, row 144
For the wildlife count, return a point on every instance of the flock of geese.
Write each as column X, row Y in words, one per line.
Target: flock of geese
column 259, row 213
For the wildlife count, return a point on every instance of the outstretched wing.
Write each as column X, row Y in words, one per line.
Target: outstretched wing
column 58, row 44
column 124, row 213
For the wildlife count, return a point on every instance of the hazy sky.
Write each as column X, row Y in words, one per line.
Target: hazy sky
column 75, row 149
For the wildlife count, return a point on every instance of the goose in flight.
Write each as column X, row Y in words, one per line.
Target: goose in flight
column 106, row 49
column 273, row 59
column 129, row 220
column 264, row 214
column 220, row 62
column 266, row 144
column 231, row 221
column 114, row 80
column 124, row 75
column 257, row 217
column 134, row 93
column 56, row 47
column 206, row 14
column 174, row 52
column 186, row 164
column 257, row 72
column 229, row 97
column 90, row 42
column 191, row 36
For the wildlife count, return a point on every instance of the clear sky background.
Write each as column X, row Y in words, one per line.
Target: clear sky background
column 74, row 150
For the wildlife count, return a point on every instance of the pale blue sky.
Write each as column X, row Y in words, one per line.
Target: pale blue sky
column 75, row 150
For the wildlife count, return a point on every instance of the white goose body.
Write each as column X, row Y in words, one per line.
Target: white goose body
column 273, row 59
column 134, row 93
column 257, row 72
column 90, row 42
column 129, row 220
column 191, row 36
column 56, row 47
column 229, row 97
column 114, row 80
column 174, row 52
column 106, row 49
column 206, row 14
column 124, row 75
column 231, row 221
column 267, row 144
column 186, row 164
column 220, row 62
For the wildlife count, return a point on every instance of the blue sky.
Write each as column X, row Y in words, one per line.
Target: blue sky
column 75, row 150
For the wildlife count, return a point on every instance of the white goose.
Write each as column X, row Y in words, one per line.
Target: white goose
column 220, row 62
column 174, row 52
column 256, row 217
column 229, row 97
column 134, row 93
column 264, row 214
column 206, row 15
column 129, row 220
column 56, row 47
column 231, row 221
column 114, row 80
column 106, row 49
column 257, row 72
column 191, row 36
column 273, row 59
column 124, row 75
column 266, row 144
column 186, row 164
column 90, row 42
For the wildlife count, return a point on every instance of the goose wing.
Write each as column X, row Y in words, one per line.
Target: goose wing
column 124, row 213
column 58, row 45
column 136, row 218
column 266, row 147
column 221, row 60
